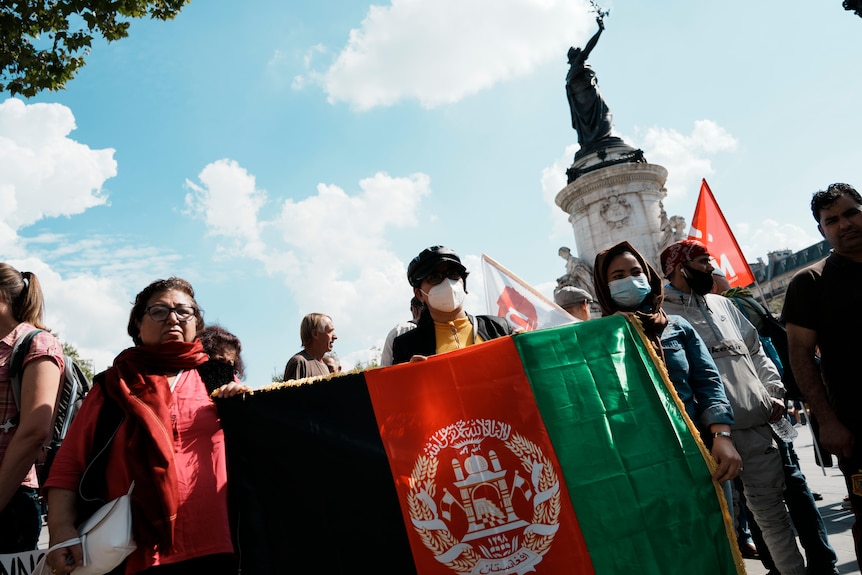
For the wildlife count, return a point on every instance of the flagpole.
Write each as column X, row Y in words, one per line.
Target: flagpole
column 762, row 295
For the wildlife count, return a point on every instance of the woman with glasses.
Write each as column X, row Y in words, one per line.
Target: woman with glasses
column 439, row 281
column 164, row 436
column 25, row 423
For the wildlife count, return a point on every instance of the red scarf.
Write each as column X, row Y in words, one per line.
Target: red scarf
column 137, row 382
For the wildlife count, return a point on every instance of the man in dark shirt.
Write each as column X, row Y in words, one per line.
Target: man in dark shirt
column 823, row 312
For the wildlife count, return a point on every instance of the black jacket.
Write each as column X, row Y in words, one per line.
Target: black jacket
column 422, row 340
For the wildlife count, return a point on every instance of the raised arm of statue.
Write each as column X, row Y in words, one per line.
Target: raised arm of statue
column 594, row 40
column 578, row 57
column 591, row 117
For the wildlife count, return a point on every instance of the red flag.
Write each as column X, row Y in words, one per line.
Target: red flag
column 709, row 226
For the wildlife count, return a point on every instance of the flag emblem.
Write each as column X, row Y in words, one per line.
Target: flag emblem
column 484, row 499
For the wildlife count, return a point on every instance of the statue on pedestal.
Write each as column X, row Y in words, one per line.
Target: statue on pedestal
column 591, row 117
column 854, row 5
column 673, row 229
column 578, row 272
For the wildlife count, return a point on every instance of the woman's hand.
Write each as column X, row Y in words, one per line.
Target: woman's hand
column 232, row 388
column 65, row 559
column 61, row 526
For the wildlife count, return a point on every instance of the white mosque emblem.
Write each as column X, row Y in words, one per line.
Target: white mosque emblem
column 472, row 525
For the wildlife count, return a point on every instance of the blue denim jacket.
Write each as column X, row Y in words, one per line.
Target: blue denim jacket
column 694, row 374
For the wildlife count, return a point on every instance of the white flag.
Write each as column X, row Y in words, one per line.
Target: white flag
column 508, row 296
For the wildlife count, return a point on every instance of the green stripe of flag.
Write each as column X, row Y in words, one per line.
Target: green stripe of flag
column 636, row 474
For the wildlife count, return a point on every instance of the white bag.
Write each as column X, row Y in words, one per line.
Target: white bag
column 106, row 538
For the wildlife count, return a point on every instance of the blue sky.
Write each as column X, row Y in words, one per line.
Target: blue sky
column 289, row 157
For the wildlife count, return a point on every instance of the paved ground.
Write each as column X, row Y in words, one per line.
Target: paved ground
column 830, row 483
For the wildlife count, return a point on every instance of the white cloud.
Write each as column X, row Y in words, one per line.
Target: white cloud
column 339, row 254
column 769, row 235
column 228, row 202
column 44, row 173
column 553, row 181
column 86, row 311
column 330, row 249
column 686, row 157
column 441, row 52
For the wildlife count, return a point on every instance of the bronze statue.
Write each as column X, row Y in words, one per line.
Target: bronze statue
column 591, row 117
column 590, row 114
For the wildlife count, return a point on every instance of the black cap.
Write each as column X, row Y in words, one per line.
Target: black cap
column 427, row 260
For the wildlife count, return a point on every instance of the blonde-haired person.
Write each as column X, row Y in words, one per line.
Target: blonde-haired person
column 23, row 432
column 317, row 334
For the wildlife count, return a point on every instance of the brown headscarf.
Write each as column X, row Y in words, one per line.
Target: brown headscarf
column 652, row 317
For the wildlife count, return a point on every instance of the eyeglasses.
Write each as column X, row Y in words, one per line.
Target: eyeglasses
column 161, row 312
column 435, row 278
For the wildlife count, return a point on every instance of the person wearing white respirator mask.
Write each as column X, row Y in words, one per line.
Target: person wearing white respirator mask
column 439, row 281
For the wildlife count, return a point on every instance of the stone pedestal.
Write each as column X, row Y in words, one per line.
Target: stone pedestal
column 619, row 202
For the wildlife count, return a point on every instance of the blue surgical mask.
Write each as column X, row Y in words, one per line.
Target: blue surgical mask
column 629, row 292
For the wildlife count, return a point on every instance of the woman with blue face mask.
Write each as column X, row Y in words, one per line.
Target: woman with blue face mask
column 625, row 283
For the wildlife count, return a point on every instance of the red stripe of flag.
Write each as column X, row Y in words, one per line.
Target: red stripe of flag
column 480, row 486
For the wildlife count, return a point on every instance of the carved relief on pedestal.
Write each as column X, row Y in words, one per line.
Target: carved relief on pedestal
column 615, row 211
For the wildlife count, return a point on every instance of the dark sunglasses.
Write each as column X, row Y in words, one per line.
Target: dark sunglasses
column 435, row 278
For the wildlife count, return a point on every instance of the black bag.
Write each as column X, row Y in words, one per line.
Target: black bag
column 772, row 328
column 75, row 387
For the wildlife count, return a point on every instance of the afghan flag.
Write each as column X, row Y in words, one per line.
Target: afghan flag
column 562, row 450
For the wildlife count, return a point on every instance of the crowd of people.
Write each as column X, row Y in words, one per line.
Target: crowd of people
column 150, row 422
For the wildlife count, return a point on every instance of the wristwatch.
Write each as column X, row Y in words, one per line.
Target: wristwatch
column 721, row 434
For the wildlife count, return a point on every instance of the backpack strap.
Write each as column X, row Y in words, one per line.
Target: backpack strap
column 739, row 306
column 764, row 314
column 16, row 363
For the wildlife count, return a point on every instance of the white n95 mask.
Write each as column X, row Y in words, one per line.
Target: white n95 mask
column 447, row 296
